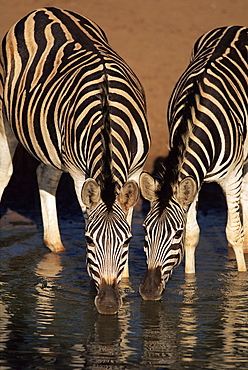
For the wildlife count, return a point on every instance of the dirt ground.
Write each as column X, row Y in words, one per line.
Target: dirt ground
column 155, row 37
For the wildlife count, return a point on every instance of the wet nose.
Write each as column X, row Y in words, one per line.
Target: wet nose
column 152, row 287
column 108, row 300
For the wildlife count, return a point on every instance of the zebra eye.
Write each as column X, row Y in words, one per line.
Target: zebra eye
column 89, row 240
column 127, row 241
column 178, row 234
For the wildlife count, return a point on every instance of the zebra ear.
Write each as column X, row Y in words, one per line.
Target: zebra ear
column 186, row 191
column 91, row 193
column 129, row 195
column 148, row 186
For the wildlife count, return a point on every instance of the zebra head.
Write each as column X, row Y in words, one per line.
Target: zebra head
column 165, row 234
column 108, row 234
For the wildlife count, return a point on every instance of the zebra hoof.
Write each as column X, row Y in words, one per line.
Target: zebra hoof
column 152, row 286
column 108, row 300
column 55, row 247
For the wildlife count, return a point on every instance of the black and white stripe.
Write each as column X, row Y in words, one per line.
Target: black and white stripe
column 76, row 106
column 207, row 119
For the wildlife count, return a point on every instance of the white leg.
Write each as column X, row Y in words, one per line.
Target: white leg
column 48, row 179
column 192, row 238
column 78, row 184
column 125, row 273
column 244, row 204
column 8, row 144
column 234, row 229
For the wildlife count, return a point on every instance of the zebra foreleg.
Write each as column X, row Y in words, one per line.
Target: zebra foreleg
column 78, row 184
column 127, row 198
column 244, row 204
column 8, row 144
column 192, row 238
column 48, row 179
column 125, row 273
column 234, row 228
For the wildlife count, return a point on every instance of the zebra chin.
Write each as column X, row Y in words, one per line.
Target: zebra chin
column 153, row 285
column 108, row 300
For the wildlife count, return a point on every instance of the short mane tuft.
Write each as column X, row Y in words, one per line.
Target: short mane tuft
column 167, row 169
column 106, row 180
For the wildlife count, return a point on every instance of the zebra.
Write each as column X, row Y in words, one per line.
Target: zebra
column 207, row 118
column 77, row 107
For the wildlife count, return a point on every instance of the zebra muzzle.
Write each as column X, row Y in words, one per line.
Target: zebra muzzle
column 152, row 285
column 108, row 300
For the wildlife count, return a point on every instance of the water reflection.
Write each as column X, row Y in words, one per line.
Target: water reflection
column 4, row 330
column 109, row 342
column 161, row 340
column 188, row 317
column 105, row 347
column 235, row 316
column 48, row 268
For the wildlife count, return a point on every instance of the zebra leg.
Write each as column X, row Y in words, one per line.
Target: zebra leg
column 8, row 144
column 244, row 204
column 125, row 273
column 78, row 185
column 48, row 179
column 129, row 218
column 234, row 229
column 192, row 238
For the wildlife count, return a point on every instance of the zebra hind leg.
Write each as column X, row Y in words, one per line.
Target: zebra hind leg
column 244, row 205
column 48, row 179
column 234, row 228
column 8, row 144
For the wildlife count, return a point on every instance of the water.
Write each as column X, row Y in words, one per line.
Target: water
column 49, row 321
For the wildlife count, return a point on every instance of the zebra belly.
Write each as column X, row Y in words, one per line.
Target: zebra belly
column 43, row 153
column 34, row 126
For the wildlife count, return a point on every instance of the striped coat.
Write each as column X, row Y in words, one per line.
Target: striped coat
column 207, row 117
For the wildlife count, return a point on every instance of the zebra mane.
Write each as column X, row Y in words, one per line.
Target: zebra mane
column 106, row 180
column 166, row 170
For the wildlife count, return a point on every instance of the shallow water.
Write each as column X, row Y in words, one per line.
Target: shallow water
column 48, row 318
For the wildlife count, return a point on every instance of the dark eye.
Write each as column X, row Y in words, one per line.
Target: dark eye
column 89, row 240
column 127, row 241
column 178, row 234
